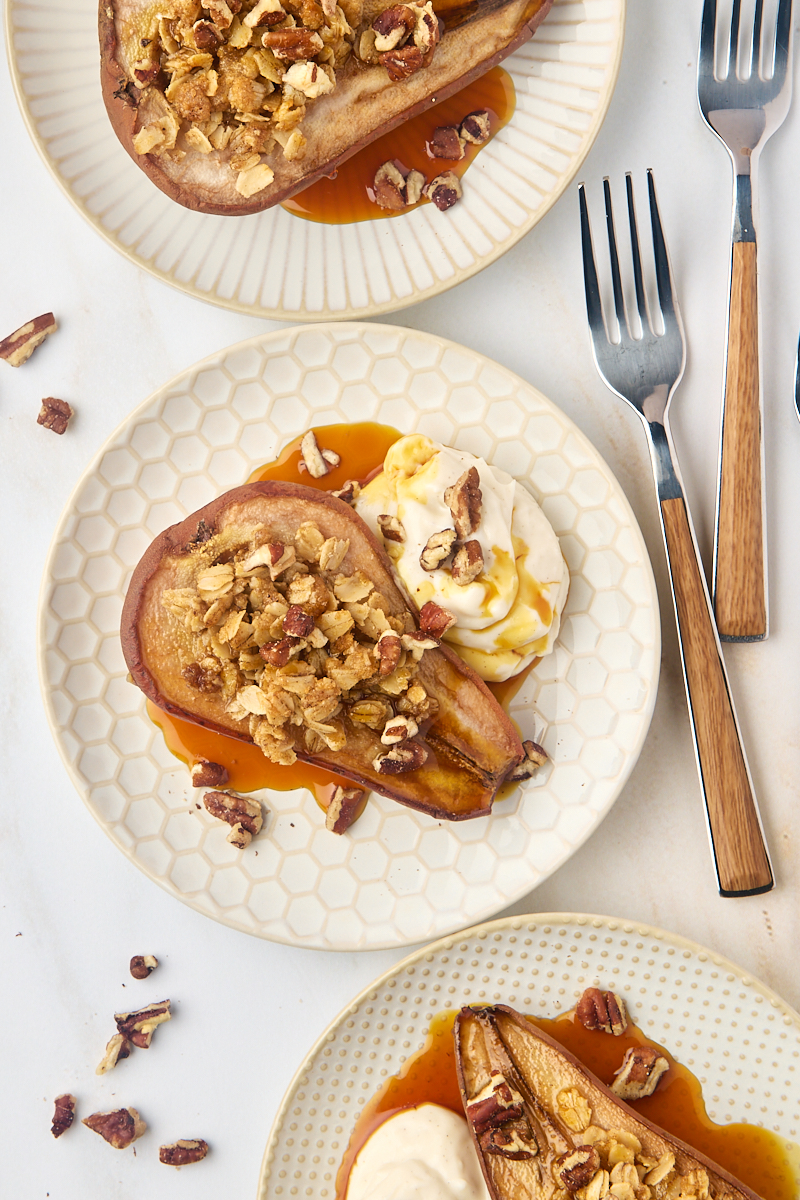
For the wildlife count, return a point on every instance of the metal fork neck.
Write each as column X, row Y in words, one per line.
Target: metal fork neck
column 667, row 482
column 744, row 229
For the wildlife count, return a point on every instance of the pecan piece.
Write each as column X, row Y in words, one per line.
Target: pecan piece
column 209, row 774
column 639, row 1075
column 405, row 757
column 297, row 623
column 266, row 12
column 55, row 414
column 494, row 1105
column 119, row 1128
column 392, row 26
column 476, row 128
column 402, row 62
column 140, row 1025
column 201, row 679
column 435, row 620
column 244, row 816
column 577, row 1167
column 20, row 345
column 117, row 1049
column 206, row 35
column 535, row 757
column 278, row 653
column 397, row 729
column 513, row 1140
column 389, row 649
column 389, row 187
column 437, row 548
column 391, row 528
column 468, row 563
column 446, row 143
column 444, row 190
column 602, row 1010
column 464, row 500
column 143, row 965
column 293, row 45
column 316, row 461
column 183, row 1152
column 64, row 1114
column 345, row 807
column 415, row 182
column 417, row 643
column 349, row 493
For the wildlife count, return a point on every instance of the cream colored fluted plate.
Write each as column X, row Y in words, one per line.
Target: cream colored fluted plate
column 397, row 877
column 276, row 265
column 736, row 1036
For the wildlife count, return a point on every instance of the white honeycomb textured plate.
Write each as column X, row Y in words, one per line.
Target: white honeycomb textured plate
column 397, row 877
column 276, row 265
column 678, row 993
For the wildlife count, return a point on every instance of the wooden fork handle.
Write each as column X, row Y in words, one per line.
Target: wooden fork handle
column 743, row 865
column 740, row 582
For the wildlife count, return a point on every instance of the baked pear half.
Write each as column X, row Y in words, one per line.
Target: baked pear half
column 546, row 1128
column 231, row 106
column 273, row 615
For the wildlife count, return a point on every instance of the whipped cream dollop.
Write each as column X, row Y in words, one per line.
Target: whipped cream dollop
column 511, row 613
column 421, row 1153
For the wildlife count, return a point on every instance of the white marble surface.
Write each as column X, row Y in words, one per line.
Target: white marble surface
column 73, row 910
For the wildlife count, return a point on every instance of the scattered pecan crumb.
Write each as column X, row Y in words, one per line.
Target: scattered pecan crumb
column 119, row 1128
column 444, row 190
column 435, row 620
column 243, row 815
column 55, row 414
column 402, row 62
column 577, row 1167
column 602, row 1010
column 297, row 622
column 209, row 774
column 407, row 756
column 639, row 1074
column 316, row 461
column 398, row 729
column 465, row 501
column 446, row 142
column 476, row 127
column 140, row 1025
column 389, row 649
column 391, row 528
column 343, row 809
column 467, row 563
column 437, row 549
column 535, row 757
column 17, row 348
column 143, row 965
column 117, row 1049
column 183, row 1152
column 393, row 190
column 349, row 493
column 64, row 1114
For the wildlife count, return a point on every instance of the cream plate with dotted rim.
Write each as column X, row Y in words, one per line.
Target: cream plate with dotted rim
column 737, row 1037
column 397, row 877
column 273, row 264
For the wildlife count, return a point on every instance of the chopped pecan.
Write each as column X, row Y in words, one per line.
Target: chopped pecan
column 428, row 31
column 577, row 1167
column 602, row 1010
column 64, row 1114
column 397, row 729
column 402, row 62
column 297, row 623
column 266, row 12
column 119, row 1128
column 183, row 1152
column 494, row 1105
column 415, row 182
column 201, row 679
column 476, row 127
column 393, row 26
column 391, row 528
column 446, row 143
column 535, row 757
column 278, row 653
column 143, row 965
column 345, row 806
column 389, row 649
column 417, row 643
column 513, row 1139
column 55, row 414
column 464, row 500
column 209, row 774
column 467, row 563
column 117, row 1048
column 140, row 1025
column 444, row 190
column 389, row 187
column 639, row 1075
column 402, row 758
column 20, row 345
column 435, row 620
column 243, row 815
column 293, row 45
column 316, row 461
column 437, row 548
column 349, row 493
column 206, row 35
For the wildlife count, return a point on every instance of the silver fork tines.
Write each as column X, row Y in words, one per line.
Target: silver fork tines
column 644, row 370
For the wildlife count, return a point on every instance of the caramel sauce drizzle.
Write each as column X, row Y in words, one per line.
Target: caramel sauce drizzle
column 760, row 1159
column 344, row 198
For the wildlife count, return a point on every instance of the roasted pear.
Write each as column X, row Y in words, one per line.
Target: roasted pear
column 235, row 105
column 273, row 615
column 545, row 1128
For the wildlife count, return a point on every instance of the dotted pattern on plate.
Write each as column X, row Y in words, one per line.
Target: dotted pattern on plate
column 273, row 264
column 397, row 877
column 739, row 1039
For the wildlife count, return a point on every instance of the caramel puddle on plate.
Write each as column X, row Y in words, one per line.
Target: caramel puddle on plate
column 345, row 198
column 762, row 1160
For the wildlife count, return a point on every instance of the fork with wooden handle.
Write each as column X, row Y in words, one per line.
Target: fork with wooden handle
column 743, row 112
column 645, row 370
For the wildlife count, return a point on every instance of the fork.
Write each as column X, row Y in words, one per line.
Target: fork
column 743, row 113
column 645, row 370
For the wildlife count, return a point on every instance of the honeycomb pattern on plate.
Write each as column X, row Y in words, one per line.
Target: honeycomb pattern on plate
column 275, row 264
column 738, row 1038
column 397, row 877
